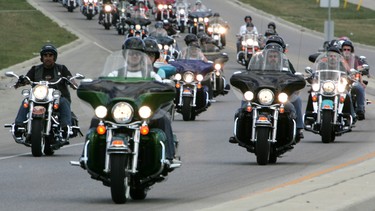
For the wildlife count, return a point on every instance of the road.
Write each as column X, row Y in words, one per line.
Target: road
column 213, row 172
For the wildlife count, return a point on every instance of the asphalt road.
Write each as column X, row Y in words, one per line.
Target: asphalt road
column 213, row 172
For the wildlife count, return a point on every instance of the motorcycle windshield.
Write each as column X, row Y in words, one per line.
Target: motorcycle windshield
column 330, row 66
column 138, row 20
column 195, row 66
column 191, row 53
column 200, row 14
column 165, row 40
column 268, row 69
column 113, row 87
column 127, row 64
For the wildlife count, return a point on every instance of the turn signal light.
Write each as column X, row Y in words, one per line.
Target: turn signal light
column 101, row 130
column 199, row 86
column 249, row 108
column 55, row 106
column 282, row 110
column 314, row 98
column 118, row 143
column 263, row 118
column 178, row 85
column 145, row 130
column 25, row 104
column 342, row 99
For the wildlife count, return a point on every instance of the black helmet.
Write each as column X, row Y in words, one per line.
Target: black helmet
column 271, row 24
column 275, row 47
column 134, row 43
column 347, row 43
column 151, row 46
column 159, row 25
column 334, row 49
column 276, row 39
column 48, row 49
column 216, row 14
column 190, row 38
column 248, row 16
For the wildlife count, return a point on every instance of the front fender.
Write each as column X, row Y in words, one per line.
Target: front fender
column 327, row 104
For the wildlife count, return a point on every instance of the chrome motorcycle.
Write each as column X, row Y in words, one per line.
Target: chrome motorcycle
column 328, row 108
column 43, row 132
column 249, row 46
column 265, row 123
column 89, row 8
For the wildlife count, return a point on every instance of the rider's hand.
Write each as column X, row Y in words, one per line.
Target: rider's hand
column 21, row 81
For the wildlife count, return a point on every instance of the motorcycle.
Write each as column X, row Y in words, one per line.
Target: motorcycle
column 327, row 113
column 217, row 33
column 192, row 97
column 138, row 27
column 71, row 5
column 43, row 132
column 90, row 8
column 164, row 9
column 106, row 15
column 265, row 124
column 356, row 75
column 182, row 16
column 249, row 46
column 167, row 46
column 198, row 22
column 121, row 24
column 122, row 149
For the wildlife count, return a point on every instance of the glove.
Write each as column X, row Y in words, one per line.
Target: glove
column 21, row 81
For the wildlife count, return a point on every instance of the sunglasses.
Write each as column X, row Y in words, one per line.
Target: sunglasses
column 346, row 49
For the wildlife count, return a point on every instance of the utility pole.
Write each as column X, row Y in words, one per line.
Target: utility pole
column 329, row 24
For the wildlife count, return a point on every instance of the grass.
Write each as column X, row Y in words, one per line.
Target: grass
column 357, row 25
column 24, row 30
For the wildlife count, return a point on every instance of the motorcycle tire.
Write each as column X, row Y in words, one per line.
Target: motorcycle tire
column 138, row 193
column 36, row 137
column 186, row 109
column 48, row 147
column 118, row 178
column 262, row 145
column 326, row 127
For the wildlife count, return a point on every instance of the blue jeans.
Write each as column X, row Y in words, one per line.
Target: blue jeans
column 64, row 110
column 298, row 108
column 359, row 91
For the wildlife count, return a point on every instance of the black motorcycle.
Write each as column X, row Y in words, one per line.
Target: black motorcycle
column 199, row 21
column 265, row 124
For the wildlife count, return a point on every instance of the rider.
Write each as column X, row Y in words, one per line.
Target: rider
column 347, row 50
column 216, row 19
column 199, row 7
column 243, row 30
column 49, row 70
column 297, row 102
column 192, row 43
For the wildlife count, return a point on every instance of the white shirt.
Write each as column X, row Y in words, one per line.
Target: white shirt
column 243, row 30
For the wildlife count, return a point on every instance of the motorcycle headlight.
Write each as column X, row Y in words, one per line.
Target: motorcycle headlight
column 248, row 95
column 188, row 77
column 85, row 1
column 210, row 29
column 200, row 19
column 315, row 87
column 160, row 46
column 165, row 6
column 170, row 7
column 137, row 27
column 195, row 20
column 199, row 77
column 244, row 43
column 182, row 11
column 217, row 66
column 101, row 112
column 177, row 76
column 122, row 112
column 123, row 10
column 265, row 97
column 283, row 97
column 250, row 42
column 328, row 87
column 216, row 37
column 40, row 92
column 206, row 20
column 160, row 6
column 107, row 8
column 166, row 47
column 144, row 112
column 222, row 30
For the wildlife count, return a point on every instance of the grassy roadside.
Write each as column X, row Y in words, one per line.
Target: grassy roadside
column 24, row 30
column 357, row 25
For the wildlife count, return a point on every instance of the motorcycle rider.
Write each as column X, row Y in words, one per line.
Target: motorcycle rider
column 199, row 7
column 347, row 50
column 219, row 20
column 192, row 43
column 272, row 26
column 243, row 30
column 297, row 102
column 49, row 70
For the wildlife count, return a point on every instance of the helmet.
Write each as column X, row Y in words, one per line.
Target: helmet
column 190, row 38
column 271, row 24
column 248, row 16
column 216, row 14
column 151, row 46
column 274, row 46
column 198, row 2
column 276, row 39
column 347, row 43
column 134, row 43
column 48, row 49
column 334, row 49
column 141, row 2
column 159, row 25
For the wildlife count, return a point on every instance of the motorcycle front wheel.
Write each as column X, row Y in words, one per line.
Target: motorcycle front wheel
column 326, row 127
column 36, row 137
column 263, row 146
column 186, row 108
column 119, row 184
